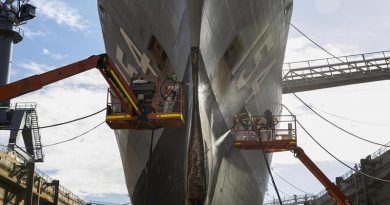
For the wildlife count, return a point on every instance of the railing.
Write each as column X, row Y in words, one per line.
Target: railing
column 301, row 199
column 348, row 174
column 279, row 127
column 332, row 72
column 166, row 98
column 62, row 190
column 19, row 34
column 332, row 66
column 9, row 165
column 22, row 105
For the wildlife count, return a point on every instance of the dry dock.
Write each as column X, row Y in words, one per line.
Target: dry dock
column 14, row 186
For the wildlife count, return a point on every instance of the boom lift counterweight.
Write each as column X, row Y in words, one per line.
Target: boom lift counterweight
column 260, row 133
column 139, row 104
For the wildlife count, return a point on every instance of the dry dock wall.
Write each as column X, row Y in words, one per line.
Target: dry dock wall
column 13, row 184
column 363, row 190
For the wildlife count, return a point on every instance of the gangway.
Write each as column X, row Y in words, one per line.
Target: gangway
column 293, row 200
column 333, row 72
column 277, row 133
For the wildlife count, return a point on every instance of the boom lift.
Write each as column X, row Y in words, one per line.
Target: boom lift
column 260, row 133
column 140, row 104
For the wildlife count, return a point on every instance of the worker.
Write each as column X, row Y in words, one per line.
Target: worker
column 169, row 96
column 245, row 119
column 270, row 126
column 169, row 90
column 268, row 116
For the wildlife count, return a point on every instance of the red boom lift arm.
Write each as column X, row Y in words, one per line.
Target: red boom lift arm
column 331, row 188
column 36, row 82
column 257, row 135
column 131, row 117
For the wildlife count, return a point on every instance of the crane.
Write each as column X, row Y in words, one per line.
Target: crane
column 140, row 104
column 260, row 133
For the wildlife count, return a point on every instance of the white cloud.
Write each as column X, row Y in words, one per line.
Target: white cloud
column 34, row 67
column 301, row 49
column 327, row 7
column 54, row 55
column 89, row 165
column 62, row 13
column 33, row 34
column 90, row 80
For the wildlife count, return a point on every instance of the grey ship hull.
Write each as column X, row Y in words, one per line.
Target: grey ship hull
column 242, row 45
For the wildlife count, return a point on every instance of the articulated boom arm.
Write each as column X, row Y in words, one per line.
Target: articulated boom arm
column 36, row 82
column 154, row 106
column 262, row 133
column 332, row 189
column 101, row 62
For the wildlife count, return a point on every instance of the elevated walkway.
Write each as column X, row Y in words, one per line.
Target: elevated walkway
column 333, row 72
column 292, row 200
column 14, row 183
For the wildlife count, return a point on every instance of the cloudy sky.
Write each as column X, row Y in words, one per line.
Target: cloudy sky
column 67, row 31
column 343, row 27
column 64, row 32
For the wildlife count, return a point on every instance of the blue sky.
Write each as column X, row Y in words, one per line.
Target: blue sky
column 67, row 31
column 64, row 32
column 52, row 39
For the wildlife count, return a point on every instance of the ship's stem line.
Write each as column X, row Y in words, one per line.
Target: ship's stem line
column 149, row 166
column 196, row 180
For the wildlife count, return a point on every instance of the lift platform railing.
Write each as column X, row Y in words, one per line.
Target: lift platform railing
column 162, row 105
column 259, row 133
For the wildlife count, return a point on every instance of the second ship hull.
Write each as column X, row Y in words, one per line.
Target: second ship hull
column 241, row 51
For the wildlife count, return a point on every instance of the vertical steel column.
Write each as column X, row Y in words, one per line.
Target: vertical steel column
column 364, row 163
column 7, row 37
column 30, row 182
column 6, row 41
column 56, row 185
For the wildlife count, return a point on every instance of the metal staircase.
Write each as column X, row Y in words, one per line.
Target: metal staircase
column 38, row 153
column 332, row 72
column 31, row 131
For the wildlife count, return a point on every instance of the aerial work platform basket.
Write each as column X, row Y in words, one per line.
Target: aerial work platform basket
column 161, row 105
column 277, row 133
column 269, row 133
